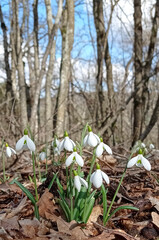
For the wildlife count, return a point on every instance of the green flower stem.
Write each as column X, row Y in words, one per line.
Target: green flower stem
column 117, row 190
column 46, row 160
column 34, row 172
column 114, row 197
column 83, row 135
column 91, row 168
column 4, row 171
column 81, row 146
column 71, row 191
column 3, row 162
column 39, row 170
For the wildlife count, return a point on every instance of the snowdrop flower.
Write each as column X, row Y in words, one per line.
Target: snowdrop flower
column 98, row 176
column 151, row 146
column 25, row 142
column 55, row 145
column 143, row 145
column 78, row 181
column 9, row 151
column 74, row 157
column 140, row 161
column 101, row 147
column 66, row 143
column 91, row 139
column 42, row 156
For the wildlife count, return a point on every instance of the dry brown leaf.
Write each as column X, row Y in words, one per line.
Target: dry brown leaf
column 4, row 235
column 155, row 202
column 96, row 212
column 71, row 229
column 104, row 235
column 115, row 232
column 155, row 219
column 29, row 227
column 47, row 206
column 110, row 159
column 18, row 208
column 10, row 224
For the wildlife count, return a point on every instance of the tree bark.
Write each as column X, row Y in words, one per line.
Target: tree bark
column 67, row 31
column 9, row 91
column 153, row 120
column 48, row 103
column 19, row 64
column 138, row 70
column 43, row 68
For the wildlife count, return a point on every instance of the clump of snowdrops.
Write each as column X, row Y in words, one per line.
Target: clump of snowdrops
column 78, row 199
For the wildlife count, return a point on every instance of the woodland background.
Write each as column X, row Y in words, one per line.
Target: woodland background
column 65, row 63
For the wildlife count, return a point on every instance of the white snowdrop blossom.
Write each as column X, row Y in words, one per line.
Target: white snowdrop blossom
column 98, row 176
column 140, row 161
column 25, row 143
column 74, row 157
column 101, row 147
column 151, row 146
column 66, row 143
column 91, row 139
column 56, row 144
column 78, row 182
column 9, row 151
column 42, row 156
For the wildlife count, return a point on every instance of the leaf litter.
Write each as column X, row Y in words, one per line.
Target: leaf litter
column 139, row 188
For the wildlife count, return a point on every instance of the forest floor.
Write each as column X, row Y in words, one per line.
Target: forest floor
column 139, row 188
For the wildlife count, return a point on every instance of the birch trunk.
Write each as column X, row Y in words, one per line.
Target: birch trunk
column 67, row 44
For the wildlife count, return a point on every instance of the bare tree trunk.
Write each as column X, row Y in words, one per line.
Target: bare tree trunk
column 43, row 66
column 138, row 70
column 19, row 65
column 67, row 44
column 103, row 53
column 48, row 103
column 9, row 91
column 109, row 78
column 153, row 120
column 100, row 30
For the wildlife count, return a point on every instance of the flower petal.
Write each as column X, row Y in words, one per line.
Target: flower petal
column 68, row 144
column 42, row 156
column 132, row 162
column 92, row 140
column 99, row 150
column 13, row 151
column 8, row 152
column 146, row 163
column 98, row 139
column 91, row 178
column 77, row 183
column 61, row 145
column 20, row 143
column 79, row 159
column 73, row 143
column 69, row 160
column 97, row 179
column 83, row 182
column 107, row 148
column 105, row 177
column 30, row 144
column 85, row 140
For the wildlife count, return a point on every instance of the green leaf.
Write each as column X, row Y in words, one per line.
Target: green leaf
column 62, row 204
column 104, row 194
column 122, row 207
column 60, row 187
column 25, row 190
column 52, row 181
column 88, row 211
column 65, row 205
